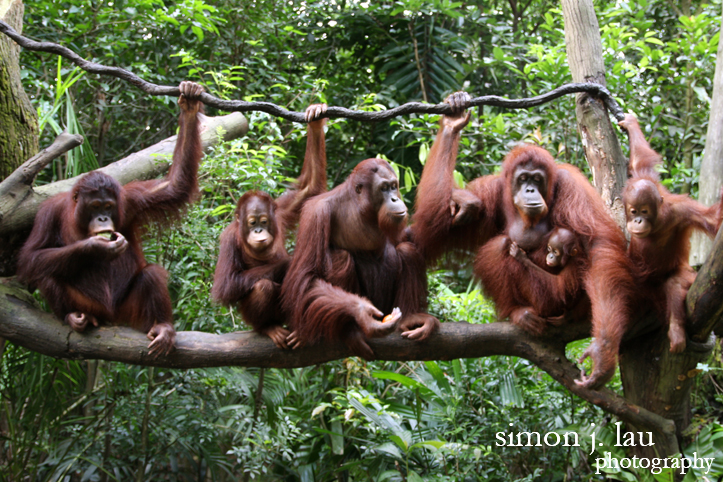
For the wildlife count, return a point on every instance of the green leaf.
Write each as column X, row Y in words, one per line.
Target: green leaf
column 337, row 438
column 400, row 442
column 223, row 209
column 433, row 444
column 198, row 32
column 383, row 420
column 509, row 393
column 423, row 153
column 438, row 376
column 408, row 181
column 390, row 449
column 404, row 380
column 291, row 29
column 412, row 476
column 457, row 365
column 500, row 124
column 702, row 94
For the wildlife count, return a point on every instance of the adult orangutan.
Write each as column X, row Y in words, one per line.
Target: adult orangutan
column 353, row 262
column 253, row 260
column 530, row 198
column 660, row 224
column 84, row 252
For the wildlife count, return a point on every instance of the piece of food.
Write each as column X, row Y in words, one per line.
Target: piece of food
column 109, row 235
column 393, row 316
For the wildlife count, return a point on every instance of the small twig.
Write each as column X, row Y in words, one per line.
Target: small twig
column 416, row 60
column 259, row 394
column 595, row 90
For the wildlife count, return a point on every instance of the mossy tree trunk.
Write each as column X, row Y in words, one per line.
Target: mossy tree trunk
column 19, row 121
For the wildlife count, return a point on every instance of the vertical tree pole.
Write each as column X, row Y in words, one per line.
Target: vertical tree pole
column 652, row 377
column 711, row 167
column 19, row 121
column 599, row 137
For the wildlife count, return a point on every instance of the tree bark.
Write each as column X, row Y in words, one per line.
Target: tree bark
column 599, row 138
column 19, row 201
column 711, row 167
column 19, row 121
column 661, row 382
column 703, row 303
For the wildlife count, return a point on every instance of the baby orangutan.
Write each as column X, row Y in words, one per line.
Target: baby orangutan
column 660, row 224
column 561, row 278
column 561, row 246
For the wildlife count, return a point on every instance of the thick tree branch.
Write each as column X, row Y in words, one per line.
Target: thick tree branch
column 332, row 112
column 705, row 298
column 21, row 202
column 602, row 147
column 24, row 324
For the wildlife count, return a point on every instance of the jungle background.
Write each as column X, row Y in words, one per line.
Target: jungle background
column 348, row 419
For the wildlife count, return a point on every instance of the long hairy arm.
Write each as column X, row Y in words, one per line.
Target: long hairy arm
column 163, row 199
column 312, row 180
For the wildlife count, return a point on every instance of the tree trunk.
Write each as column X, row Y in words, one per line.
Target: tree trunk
column 687, row 151
column 661, row 382
column 599, row 138
column 19, row 121
column 652, row 377
column 711, row 168
column 688, row 139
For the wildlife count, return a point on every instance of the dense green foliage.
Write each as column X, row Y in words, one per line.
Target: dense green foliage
column 345, row 420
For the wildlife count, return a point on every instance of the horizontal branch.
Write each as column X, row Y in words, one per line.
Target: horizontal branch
column 596, row 90
column 25, row 325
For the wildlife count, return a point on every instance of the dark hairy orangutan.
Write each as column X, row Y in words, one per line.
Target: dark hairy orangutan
column 531, row 197
column 84, row 252
column 253, row 259
column 353, row 262
column 660, row 224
